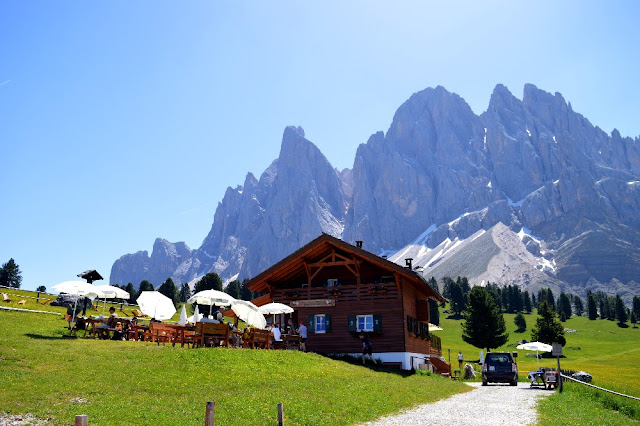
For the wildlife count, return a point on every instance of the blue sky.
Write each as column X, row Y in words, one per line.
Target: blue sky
column 125, row 121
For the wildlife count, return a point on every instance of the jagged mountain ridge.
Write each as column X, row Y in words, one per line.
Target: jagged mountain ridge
column 574, row 186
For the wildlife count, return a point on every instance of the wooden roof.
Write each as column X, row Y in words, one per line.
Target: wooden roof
column 294, row 265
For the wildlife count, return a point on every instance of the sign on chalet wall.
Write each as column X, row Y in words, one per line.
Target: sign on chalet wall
column 314, row 303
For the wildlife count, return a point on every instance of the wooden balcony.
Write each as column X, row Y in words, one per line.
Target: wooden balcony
column 341, row 293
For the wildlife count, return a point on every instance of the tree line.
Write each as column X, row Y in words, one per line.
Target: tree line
column 482, row 309
column 181, row 294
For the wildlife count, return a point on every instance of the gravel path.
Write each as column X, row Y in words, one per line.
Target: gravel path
column 489, row 405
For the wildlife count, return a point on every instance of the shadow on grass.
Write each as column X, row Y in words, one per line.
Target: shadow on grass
column 43, row 337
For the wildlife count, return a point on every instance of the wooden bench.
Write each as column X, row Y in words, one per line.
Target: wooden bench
column 208, row 331
column 257, row 339
column 159, row 332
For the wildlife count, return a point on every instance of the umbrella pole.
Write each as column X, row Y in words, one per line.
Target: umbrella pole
column 104, row 305
column 73, row 316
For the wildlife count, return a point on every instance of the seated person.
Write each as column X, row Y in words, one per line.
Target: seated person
column 111, row 320
column 277, row 336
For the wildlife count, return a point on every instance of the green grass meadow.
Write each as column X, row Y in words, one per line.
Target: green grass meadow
column 125, row 383
column 609, row 353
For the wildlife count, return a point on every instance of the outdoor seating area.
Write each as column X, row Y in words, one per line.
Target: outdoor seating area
column 200, row 335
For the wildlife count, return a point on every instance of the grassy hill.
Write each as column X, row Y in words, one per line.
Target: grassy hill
column 124, row 383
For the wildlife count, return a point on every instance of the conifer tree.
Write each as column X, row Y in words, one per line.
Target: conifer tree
column 621, row 311
column 234, row 289
column 210, row 281
column 169, row 289
column 520, row 322
column 548, row 328
column 484, row 325
column 144, row 286
column 457, row 298
column 592, row 310
column 578, row 306
column 527, row 302
column 434, row 312
column 10, row 274
column 185, row 292
column 635, row 306
column 564, row 305
column 132, row 292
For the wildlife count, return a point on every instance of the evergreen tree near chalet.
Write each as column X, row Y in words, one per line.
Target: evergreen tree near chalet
column 185, row 292
column 132, row 292
column 520, row 322
column 634, row 319
column 635, row 306
column 548, row 328
column 592, row 309
column 144, row 286
column 564, row 305
column 484, row 325
column 10, row 274
column 526, row 302
column 211, row 281
column 434, row 312
column 621, row 312
column 247, row 294
column 234, row 288
column 457, row 299
column 578, row 307
column 169, row 289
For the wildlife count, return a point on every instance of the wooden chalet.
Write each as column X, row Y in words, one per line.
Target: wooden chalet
column 339, row 289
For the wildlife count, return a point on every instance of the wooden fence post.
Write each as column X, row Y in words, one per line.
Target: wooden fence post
column 209, row 417
column 82, row 420
column 280, row 414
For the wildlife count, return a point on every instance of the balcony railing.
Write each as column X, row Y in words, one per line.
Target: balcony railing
column 346, row 293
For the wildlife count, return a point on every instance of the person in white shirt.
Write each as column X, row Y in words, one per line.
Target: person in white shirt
column 277, row 335
column 302, row 330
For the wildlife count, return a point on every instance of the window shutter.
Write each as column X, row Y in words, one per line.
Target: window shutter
column 352, row 323
column 312, row 325
column 409, row 324
column 327, row 323
column 377, row 322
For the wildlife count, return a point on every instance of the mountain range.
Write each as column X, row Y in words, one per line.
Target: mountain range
column 527, row 193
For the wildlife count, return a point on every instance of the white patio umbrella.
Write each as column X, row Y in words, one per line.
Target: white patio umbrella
column 111, row 292
column 433, row 327
column 535, row 346
column 249, row 313
column 211, row 297
column 275, row 308
column 156, row 305
column 78, row 288
column 183, row 316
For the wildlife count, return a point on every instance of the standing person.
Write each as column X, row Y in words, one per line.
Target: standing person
column 302, row 330
column 366, row 348
column 460, row 359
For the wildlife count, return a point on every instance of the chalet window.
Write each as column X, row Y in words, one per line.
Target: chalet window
column 364, row 323
column 320, row 323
